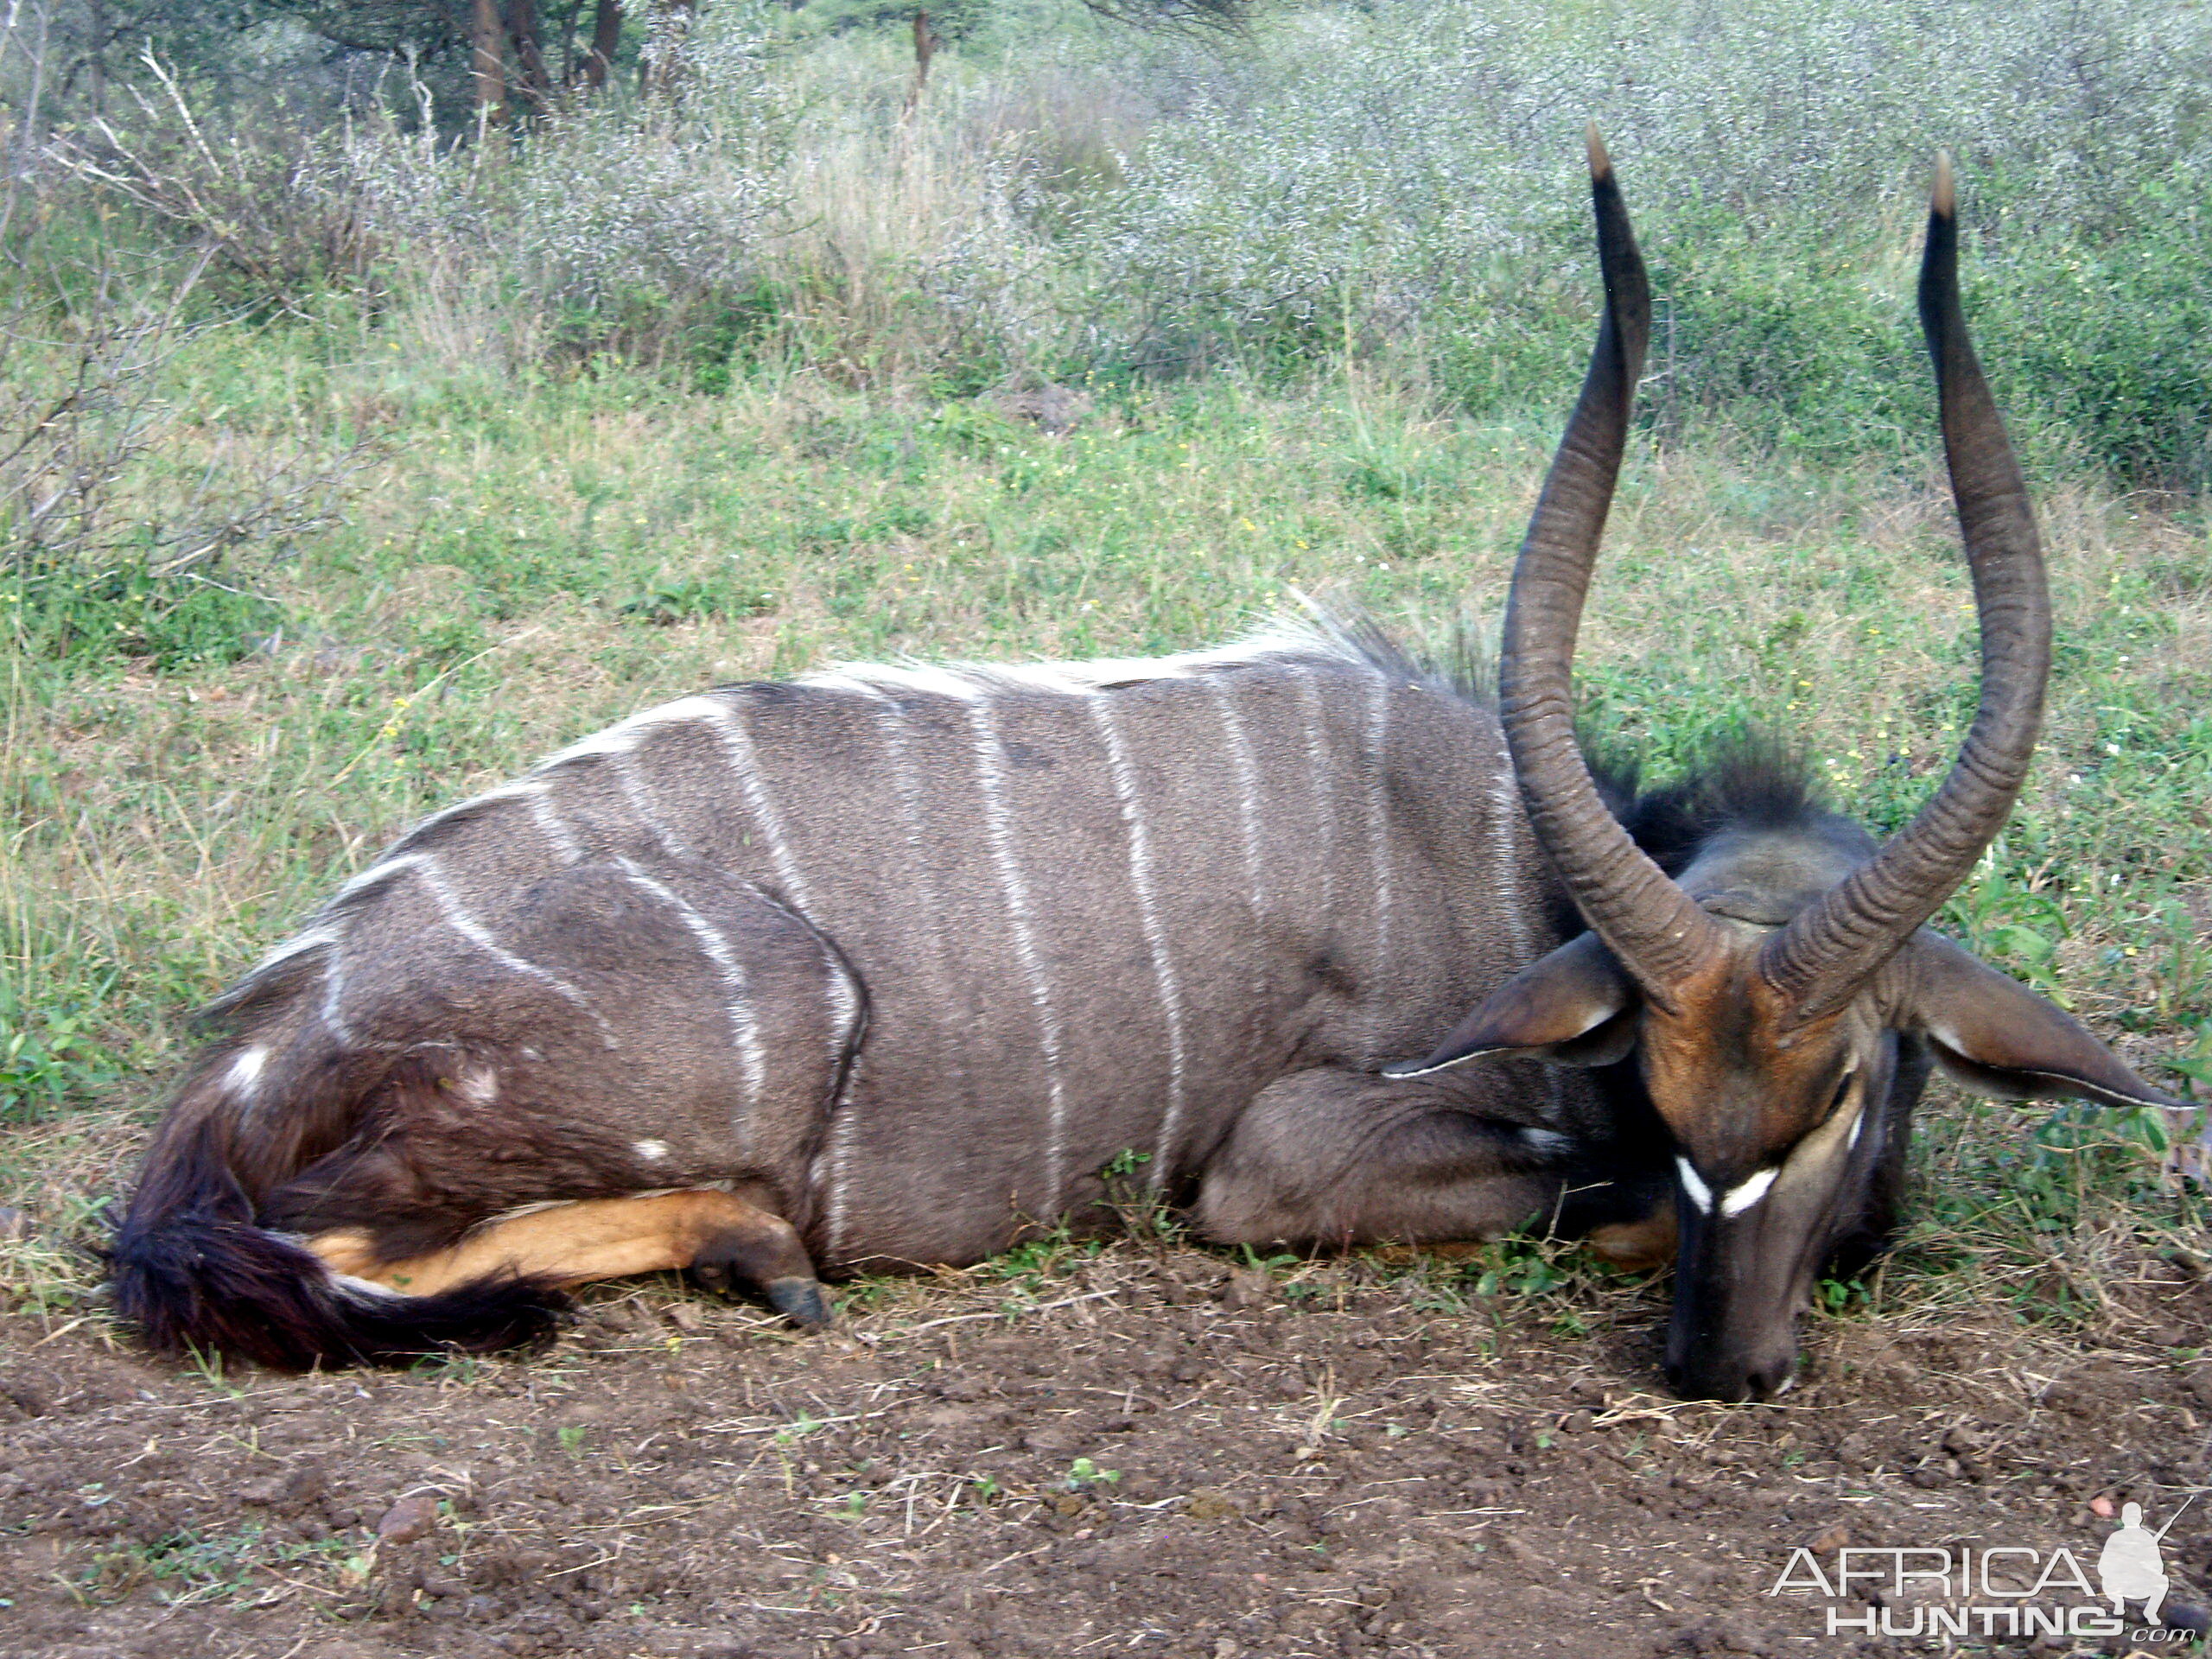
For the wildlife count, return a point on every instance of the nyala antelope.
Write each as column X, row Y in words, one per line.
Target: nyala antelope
column 882, row 966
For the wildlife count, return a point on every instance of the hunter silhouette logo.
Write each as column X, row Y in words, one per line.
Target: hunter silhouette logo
column 1994, row 1590
column 2131, row 1568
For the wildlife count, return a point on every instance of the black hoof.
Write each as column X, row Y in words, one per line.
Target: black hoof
column 799, row 1300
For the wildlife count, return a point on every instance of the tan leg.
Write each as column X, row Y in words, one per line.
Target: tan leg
column 1648, row 1243
column 721, row 1237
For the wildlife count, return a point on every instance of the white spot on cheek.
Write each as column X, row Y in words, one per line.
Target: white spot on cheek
column 245, row 1070
column 1694, row 1184
column 650, row 1151
column 1743, row 1198
column 480, row 1084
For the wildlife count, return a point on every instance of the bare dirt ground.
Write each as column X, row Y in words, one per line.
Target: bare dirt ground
column 1134, row 1449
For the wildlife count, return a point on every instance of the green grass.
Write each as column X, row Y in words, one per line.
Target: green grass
column 524, row 560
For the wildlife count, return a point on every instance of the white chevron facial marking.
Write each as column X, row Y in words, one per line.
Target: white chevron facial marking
column 1155, row 933
column 1694, row 1184
column 650, row 1151
column 1738, row 1199
column 480, row 1083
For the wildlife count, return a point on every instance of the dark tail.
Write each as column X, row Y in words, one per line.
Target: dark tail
column 193, row 1270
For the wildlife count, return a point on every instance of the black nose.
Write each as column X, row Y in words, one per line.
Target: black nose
column 1720, row 1382
column 1731, row 1381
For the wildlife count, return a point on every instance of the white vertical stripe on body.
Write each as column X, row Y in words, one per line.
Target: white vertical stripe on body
column 906, row 784
column 457, row 917
column 833, row 1168
column 737, row 1003
column 833, row 1174
column 729, row 724
column 984, row 723
column 1324, row 796
column 333, row 993
column 1248, row 785
column 1156, row 935
column 552, row 825
column 637, row 793
column 1378, row 825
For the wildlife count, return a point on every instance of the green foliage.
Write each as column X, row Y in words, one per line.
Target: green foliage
column 1392, row 184
column 2111, row 336
column 51, row 1056
column 130, row 610
column 692, row 600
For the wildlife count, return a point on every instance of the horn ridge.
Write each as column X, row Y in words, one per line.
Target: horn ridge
column 1655, row 930
column 1828, row 950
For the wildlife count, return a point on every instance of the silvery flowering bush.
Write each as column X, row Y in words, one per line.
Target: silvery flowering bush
column 1398, row 180
column 1409, row 173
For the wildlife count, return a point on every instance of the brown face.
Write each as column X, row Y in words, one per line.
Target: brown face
column 1778, row 1135
column 1783, row 994
column 1788, row 1137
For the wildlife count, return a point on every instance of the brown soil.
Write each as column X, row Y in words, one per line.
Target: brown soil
column 1140, row 1451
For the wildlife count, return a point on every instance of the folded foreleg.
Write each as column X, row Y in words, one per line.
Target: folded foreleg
column 1340, row 1157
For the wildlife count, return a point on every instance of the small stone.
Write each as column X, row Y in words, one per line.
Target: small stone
column 1209, row 1505
column 411, row 1518
column 14, row 1222
column 1830, row 1541
column 1247, row 1288
column 2101, row 1507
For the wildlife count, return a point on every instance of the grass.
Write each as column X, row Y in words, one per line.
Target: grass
column 523, row 560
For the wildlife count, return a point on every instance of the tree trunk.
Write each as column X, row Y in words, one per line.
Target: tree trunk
column 488, row 62
column 663, row 66
column 606, row 35
column 530, row 54
column 924, row 49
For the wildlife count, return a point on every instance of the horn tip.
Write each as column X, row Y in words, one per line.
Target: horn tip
column 1943, row 201
column 1601, row 165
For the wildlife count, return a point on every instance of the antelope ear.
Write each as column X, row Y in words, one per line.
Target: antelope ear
column 1574, row 1006
column 1994, row 1036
